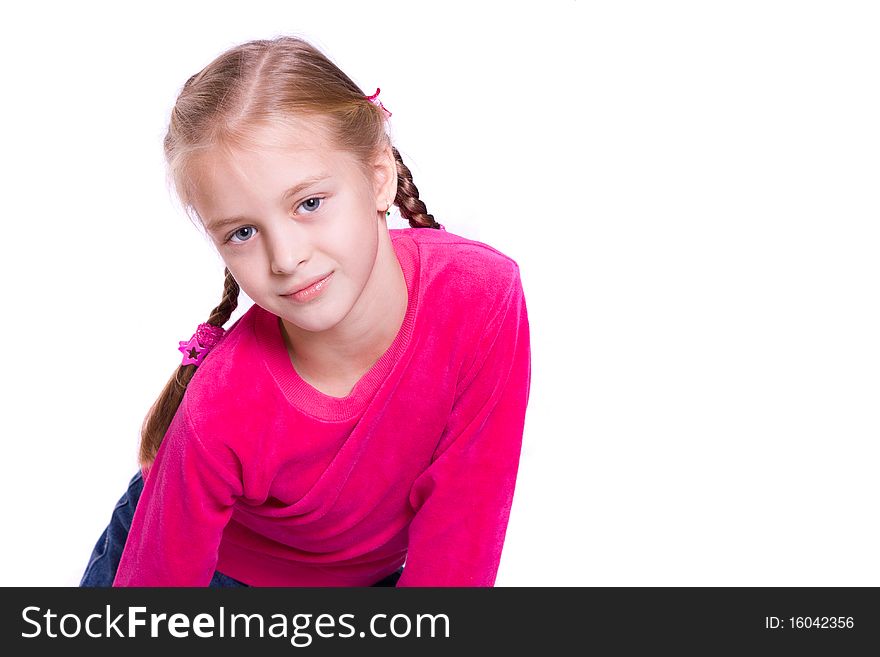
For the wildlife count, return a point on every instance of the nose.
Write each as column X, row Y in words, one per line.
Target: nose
column 287, row 249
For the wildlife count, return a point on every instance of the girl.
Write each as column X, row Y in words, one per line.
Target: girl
column 367, row 411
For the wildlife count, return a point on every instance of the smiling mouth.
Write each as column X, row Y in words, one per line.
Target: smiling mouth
column 307, row 285
column 312, row 289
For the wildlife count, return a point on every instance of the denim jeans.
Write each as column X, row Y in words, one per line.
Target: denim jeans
column 104, row 561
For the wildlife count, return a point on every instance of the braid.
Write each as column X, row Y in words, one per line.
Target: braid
column 221, row 314
column 412, row 208
column 163, row 410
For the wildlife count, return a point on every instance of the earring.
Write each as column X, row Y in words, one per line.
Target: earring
column 388, row 211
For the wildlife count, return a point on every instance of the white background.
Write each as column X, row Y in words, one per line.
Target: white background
column 690, row 189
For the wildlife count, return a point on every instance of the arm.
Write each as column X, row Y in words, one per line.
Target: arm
column 463, row 499
column 184, row 507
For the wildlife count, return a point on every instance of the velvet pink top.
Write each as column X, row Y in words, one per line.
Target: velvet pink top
column 270, row 481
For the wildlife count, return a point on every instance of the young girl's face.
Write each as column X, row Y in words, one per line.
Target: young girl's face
column 284, row 216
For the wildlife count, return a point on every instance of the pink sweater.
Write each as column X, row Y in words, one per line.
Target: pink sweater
column 268, row 480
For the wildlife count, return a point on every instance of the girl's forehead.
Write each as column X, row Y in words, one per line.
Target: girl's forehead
column 301, row 134
column 271, row 157
column 266, row 168
column 299, row 143
column 264, row 157
column 271, row 165
column 263, row 154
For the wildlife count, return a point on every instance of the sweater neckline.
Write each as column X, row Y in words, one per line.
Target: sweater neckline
column 309, row 399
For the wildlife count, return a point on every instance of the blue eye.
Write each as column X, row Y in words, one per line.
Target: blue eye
column 228, row 239
column 313, row 207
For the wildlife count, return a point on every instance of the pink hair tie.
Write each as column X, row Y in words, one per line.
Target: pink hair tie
column 203, row 340
column 375, row 100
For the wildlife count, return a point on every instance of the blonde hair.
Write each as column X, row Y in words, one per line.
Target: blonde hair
column 275, row 82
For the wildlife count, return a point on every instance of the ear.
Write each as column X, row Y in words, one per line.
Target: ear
column 384, row 179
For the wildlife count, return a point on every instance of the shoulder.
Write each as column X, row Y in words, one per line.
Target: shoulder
column 233, row 371
column 461, row 269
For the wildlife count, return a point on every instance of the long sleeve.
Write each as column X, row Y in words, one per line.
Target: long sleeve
column 462, row 500
column 184, row 507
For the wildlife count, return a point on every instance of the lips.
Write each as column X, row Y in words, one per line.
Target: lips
column 302, row 286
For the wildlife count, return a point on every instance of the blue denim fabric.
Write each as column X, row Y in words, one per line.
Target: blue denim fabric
column 104, row 561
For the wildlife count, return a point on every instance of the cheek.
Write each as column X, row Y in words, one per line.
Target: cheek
column 244, row 276
column 352, row 245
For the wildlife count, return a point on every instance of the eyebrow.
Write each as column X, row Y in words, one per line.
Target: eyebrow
column 296, row 189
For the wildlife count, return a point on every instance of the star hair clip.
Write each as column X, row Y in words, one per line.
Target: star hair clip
column 203, row 340
column 378, row 103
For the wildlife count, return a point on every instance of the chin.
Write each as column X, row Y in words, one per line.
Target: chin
column 312, row 319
